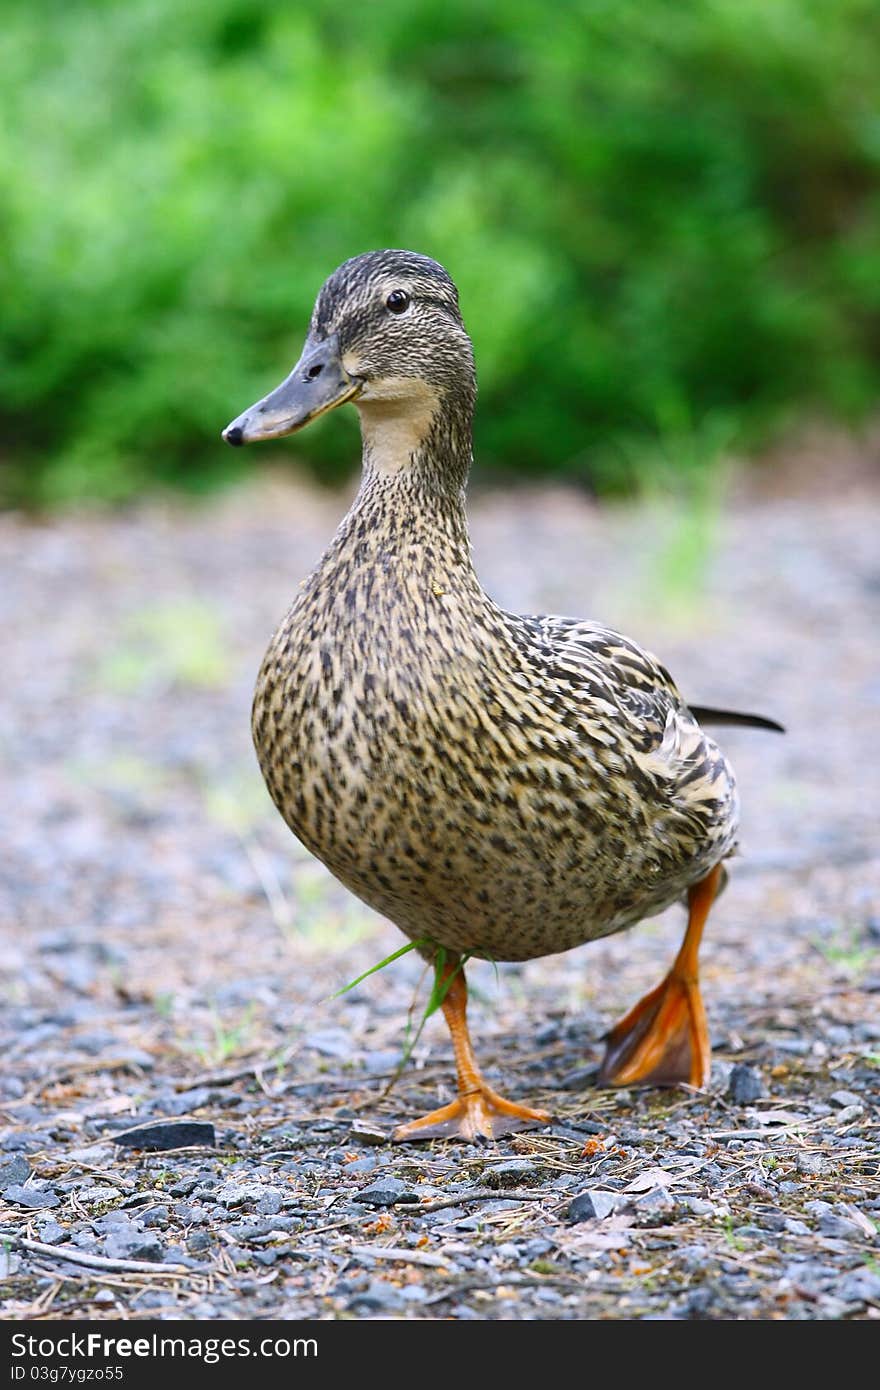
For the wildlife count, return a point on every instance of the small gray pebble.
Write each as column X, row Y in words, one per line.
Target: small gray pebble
column 840, row 1228
column 104, row 1296
column 564, row 1181
column 698, row 1303
column 746, row 1085
column 158, row 1216
column 628, row 1135
column 832, row 1308
column 849, row 1113
column 284, row 1137
column 133, row 1245
column 772, row 1221
column 174, row 1257
column 413, row 1293
column 512, row 1173
column 658, row 1202
column 331, row 1042
column 592, row 1205
column 14, row 1170
column 380, row 1061
column 183, row 1187
column 548, row 1033
column 185, row 1102
column 538, row 1246
column 31, row 1139
column 51, row 1233
column 796, row 1047
column 376, row 1296
column 810, row 1164
column 84, row 1241
column 698, row 1206
column 386, row 1193
column 366, row 1133
column 547, row 1295
column 152, row 1298
column 575, row 1128
column 862, row 1286
column 695, row 1257
column 818, row 1208
column 236, row 1194
column 449, row 1216
column 32, row 1197
column 270, row 1203
column 845, row 1098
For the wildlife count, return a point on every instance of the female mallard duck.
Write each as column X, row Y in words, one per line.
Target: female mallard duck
column 502, row 786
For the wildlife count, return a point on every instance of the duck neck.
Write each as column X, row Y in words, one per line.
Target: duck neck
column 415, row 469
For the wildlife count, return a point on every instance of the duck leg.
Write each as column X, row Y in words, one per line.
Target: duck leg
column 479, row 1112
column 664, row 1040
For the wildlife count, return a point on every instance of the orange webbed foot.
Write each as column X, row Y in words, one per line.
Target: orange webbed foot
column 663, row 1041
column 479, row 1114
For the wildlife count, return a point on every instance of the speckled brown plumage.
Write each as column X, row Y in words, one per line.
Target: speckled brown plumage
column 504, row 785
column 507, row 786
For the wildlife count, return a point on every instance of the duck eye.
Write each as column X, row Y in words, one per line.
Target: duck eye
column 397, row 301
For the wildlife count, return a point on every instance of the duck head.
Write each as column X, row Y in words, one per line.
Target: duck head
column 387, row 334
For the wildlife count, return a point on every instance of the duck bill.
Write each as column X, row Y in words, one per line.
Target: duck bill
column 318, row 383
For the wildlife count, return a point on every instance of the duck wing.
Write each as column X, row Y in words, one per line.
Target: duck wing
column 642, row 685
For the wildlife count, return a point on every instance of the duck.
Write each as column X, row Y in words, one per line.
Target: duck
column 497, row 785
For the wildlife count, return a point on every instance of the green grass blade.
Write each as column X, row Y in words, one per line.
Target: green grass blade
column 410, row 946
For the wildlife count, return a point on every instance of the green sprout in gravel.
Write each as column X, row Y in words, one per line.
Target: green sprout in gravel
column 439, row 990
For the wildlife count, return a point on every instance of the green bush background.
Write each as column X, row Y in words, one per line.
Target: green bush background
column 662, row 217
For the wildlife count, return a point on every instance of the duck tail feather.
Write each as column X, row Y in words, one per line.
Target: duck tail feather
column 704, row 715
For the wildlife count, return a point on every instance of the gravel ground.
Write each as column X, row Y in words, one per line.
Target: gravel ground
column 169, row 952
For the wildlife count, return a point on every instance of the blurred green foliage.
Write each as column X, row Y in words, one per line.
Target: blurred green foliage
column 662, row 217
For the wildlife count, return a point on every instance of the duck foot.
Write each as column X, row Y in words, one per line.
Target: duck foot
column 664, row 1040
column 480, row 1114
